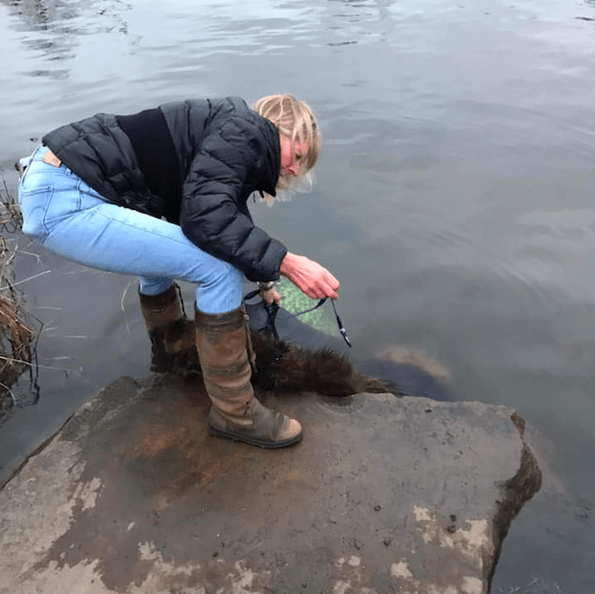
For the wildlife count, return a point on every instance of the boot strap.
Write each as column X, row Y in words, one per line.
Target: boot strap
column 249, row 347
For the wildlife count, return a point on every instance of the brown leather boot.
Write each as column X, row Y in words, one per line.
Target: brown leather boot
column 171, row 332
column 221, row 341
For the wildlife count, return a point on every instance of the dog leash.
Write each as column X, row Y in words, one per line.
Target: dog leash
column 273, row 308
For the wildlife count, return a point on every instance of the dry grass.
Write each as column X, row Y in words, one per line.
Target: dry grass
column 17, row 328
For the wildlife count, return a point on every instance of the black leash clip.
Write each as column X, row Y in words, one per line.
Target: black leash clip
column 340, row 324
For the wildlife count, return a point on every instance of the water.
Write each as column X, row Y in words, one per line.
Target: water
column 454, row 201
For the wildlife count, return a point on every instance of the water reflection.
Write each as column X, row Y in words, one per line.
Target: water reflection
column 58, row 26
column 358, row 21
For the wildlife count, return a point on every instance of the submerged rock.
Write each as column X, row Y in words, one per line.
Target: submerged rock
column 383, row 495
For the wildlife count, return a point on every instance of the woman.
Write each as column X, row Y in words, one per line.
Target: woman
column 163, row 194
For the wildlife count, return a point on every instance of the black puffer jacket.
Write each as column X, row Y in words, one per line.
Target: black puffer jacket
column 194, row 163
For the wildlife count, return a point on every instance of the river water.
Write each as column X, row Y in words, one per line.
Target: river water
column 454, row 201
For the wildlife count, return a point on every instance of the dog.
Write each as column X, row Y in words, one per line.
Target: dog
column 280, row 366
column 284, row 367
column 302, row 359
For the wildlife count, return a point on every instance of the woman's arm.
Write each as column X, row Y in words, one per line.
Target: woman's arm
column 213, row 213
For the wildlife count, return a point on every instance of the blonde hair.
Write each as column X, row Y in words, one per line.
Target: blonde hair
column 296, row 120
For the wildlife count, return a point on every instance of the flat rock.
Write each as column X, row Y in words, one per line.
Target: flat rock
column 383, row 495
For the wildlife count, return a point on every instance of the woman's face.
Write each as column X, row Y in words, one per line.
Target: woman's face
column 291, row 156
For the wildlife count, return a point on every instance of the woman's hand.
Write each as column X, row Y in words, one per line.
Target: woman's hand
column 270, row 296
column 310, row 277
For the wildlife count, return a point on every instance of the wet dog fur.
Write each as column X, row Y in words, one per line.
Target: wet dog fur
column 281, row 366
column 284, row 367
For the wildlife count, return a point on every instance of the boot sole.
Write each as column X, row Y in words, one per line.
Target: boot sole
column 269, row 445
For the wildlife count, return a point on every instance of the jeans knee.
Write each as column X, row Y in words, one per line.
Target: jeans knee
column 221, row 276
column 221, row 290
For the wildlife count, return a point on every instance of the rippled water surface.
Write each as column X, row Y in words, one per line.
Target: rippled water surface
column 454, row 201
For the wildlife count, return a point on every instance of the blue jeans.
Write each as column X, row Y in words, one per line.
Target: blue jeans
column 71, row 219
